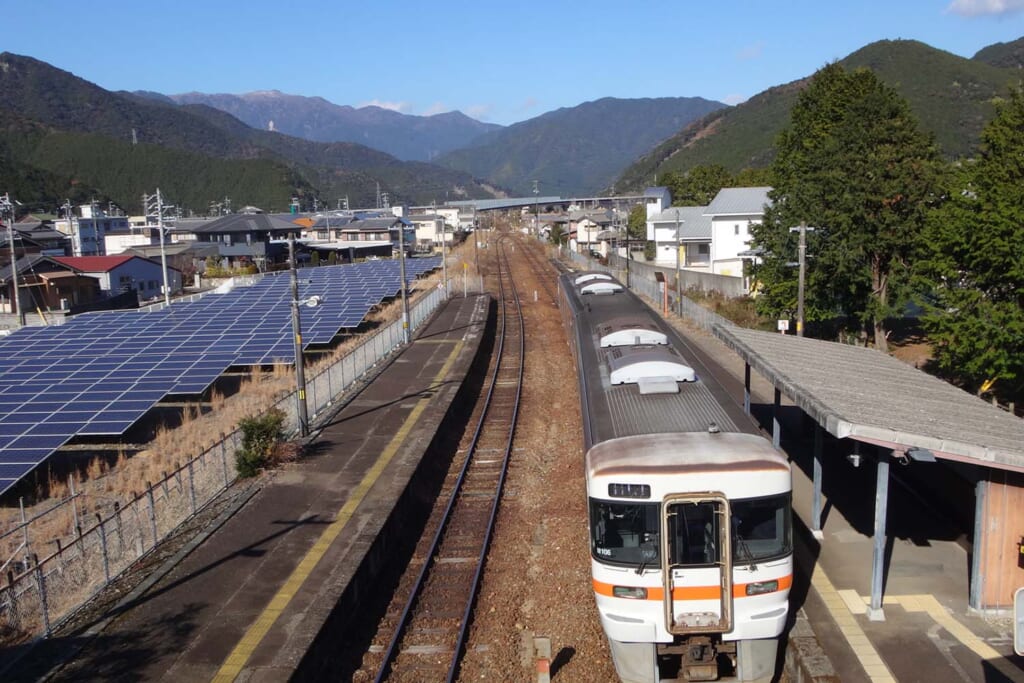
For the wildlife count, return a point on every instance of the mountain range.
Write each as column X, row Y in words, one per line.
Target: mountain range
column 952, row 97
column 63, row 137
column 117, row 146
column 410, row 138
column 576, row 151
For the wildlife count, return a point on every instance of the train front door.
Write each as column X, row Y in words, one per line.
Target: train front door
column 696, row 545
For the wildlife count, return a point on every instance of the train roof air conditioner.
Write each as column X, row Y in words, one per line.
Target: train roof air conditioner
column 654, row 369
column 600, row 287
column 587, row 277
column 638, row 330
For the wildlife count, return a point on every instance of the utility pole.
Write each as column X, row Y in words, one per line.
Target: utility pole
column 536, row 209
column 476, row 242
column 679, row 286
column 401, row 268
column 300, row 370
column 156, row 202
column 802, row 264
column 444, row 249
column 7, row 209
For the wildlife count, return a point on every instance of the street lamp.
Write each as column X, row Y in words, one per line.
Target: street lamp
column 302, row 410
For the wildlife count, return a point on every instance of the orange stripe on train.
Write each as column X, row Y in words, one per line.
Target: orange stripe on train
column 739, row 590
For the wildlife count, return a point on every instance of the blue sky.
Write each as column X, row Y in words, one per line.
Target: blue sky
column 499, row 62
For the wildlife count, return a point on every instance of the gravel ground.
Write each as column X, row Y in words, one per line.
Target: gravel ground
column 537, row 580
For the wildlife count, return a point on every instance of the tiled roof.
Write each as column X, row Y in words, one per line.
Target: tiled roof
column 733, row 201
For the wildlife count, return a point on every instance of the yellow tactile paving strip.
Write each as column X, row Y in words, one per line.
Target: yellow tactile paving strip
column 241, row 653
column 857, row 604
column 862, row 648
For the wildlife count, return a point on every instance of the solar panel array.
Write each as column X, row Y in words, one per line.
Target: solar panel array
column 99, row 373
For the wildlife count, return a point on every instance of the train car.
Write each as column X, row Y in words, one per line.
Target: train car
column 689, row 507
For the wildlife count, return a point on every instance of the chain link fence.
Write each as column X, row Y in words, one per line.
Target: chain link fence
column 47, row 579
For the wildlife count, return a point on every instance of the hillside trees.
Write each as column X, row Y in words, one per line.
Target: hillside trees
column 853, row 164
column 699, row 185
column 974, row 262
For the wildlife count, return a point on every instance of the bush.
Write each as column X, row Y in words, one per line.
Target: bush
column 260, row 437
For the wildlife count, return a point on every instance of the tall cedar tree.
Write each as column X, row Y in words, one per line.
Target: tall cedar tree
column 698, row 186
column 854, row 165
column 974, row 313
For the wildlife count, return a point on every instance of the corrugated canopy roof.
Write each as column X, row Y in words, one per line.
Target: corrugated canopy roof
column 866, row 395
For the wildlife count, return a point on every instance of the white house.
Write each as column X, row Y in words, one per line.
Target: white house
column 712, row 237
column 430, row 230
column 686, row 228
column 656, row 199
column 732, row 212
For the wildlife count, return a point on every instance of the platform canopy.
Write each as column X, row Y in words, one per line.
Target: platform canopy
column 864, row 394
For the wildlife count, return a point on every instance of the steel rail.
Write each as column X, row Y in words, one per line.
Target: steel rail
column 392, row 652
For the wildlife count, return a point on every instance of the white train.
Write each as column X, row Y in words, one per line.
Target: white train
column 689, row 508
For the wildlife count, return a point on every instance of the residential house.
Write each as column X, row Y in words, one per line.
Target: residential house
column 377, row 235
column 45, row 284
column 732, row 212
column 585, row 228
column 682, row 232
column 430, row 230
column 714, row 238
column 50, row 241
column 118, row 274
column 258, row 239
column 88, row 231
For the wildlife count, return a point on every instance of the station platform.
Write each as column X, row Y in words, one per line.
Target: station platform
column 927, row 633
column 265, row 595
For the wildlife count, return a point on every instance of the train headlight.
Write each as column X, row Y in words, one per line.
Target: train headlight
column 631, row 592
column 762, row 587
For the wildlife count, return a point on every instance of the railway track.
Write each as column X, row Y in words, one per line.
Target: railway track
column 428, row 633
column 541, row 265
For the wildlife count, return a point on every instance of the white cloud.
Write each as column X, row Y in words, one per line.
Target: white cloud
column 734, row 99
column 402, row 107
column 975, row 8
column 750, row 52
column 529, row 103
column 480, row 112
column 436, row 108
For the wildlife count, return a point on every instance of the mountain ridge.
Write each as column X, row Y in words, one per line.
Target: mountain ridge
column 951, row 95
column 578, row 150
column 405, row 136
column 60, row 102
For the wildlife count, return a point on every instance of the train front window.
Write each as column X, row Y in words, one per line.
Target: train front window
column 625, row 533
column 762, row 528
